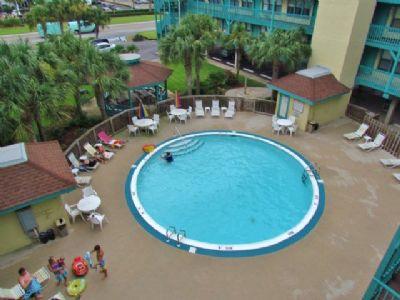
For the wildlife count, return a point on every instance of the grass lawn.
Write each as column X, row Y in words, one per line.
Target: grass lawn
column 150, row 35
column 114, row 20
column 177, row 82
column 131, row 19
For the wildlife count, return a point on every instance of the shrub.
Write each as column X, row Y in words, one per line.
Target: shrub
column 138, row 38
column 130, row 12
column 11, row 22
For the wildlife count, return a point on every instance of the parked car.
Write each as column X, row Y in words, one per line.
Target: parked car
column 106, row 8
column 86, row 27
column 98, row 41
column 104, row 47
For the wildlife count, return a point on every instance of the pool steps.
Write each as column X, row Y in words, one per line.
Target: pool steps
column 184, row 147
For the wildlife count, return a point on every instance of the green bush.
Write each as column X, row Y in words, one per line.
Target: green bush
column 130, row 12
column 138, row 38
column 127, row 49
column 11, row 22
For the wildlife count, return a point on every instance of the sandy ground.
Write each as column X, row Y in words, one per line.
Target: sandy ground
column 335, row 261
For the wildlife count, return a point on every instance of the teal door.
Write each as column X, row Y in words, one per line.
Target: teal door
column 283, row 106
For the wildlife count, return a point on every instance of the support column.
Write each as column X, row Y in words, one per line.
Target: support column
column 396, row 57
column 392, row 109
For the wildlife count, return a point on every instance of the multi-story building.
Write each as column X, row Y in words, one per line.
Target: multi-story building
column 359, row 40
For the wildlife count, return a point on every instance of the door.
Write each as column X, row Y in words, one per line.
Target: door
column 283, row 106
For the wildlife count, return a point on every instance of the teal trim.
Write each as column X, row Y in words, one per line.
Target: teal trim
column 389, row 266
column 383, row 37
column 238, row 253
column 37, row 200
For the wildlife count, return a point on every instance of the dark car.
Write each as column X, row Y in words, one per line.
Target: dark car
column 98, row 41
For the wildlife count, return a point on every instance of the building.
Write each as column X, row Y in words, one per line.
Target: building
column 358, row 40
column 32, row 178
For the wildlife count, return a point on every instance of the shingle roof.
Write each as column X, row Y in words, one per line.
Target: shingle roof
column 147, row 72
column 44, row 173
column 312, row 89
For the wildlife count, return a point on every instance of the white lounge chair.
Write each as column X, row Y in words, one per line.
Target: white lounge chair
column 94, row 153
column 397, row 176
column 390, row 162
column 97, row 219
column 58, row 296
column 16, row 292
column 76, row 164
column 377, row 143
column 199, row 110
column 42, row 275
column 230, row 112
column 73, row 212
column 358, row 134
column 215, row 110
column 83, row 180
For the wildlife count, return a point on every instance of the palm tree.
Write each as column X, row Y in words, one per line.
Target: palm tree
column 176, row 47
column 99, row 18
column 38, row 14
column 238, row 40
column 281, row 48
column 108, row 75
column 205, row 32
column 78, row 12
column 59, row 10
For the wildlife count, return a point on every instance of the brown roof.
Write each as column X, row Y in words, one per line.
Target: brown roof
column 312, row 89
column 147, row 72
column 44, row 173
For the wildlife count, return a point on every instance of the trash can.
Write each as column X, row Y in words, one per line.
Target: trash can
column 62, row 227
column 312, row 126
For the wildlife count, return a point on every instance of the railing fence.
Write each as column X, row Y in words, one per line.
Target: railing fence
column 119, row 121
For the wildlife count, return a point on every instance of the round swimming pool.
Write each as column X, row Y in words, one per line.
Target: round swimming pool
column 226, row 193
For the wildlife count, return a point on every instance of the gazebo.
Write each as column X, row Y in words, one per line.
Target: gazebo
column 147, row 79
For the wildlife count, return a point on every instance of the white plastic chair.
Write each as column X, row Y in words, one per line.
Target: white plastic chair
column 172, row 107
column 83, row 180
column 88, row 191
column 156, row 119
column 132, row 129
column 189, row 112
column 134, row 119
column 276, row 128
column 170, row 117
column 182, row 118
column 153, row 128
column 292, row 129
column 293, row 119
column 73, row 211
column 97, row 219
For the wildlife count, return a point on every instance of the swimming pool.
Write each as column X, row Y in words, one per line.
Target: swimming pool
column 226, row 193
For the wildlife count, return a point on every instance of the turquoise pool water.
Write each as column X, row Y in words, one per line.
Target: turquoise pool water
column 225, row 190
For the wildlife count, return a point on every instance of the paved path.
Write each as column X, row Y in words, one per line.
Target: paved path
column 110, row 31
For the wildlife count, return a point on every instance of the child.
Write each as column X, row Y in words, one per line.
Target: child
column 58, row 268
column 100, row 260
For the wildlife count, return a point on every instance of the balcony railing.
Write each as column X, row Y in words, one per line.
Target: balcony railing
column 252, row 15
column 379, row 80
column 383, row 37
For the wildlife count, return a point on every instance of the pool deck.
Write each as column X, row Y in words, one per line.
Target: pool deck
column 335, row 261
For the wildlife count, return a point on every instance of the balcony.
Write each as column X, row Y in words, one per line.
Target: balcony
column 383, row 37
column 389, row 1
column 252, row 15
column 379, row 80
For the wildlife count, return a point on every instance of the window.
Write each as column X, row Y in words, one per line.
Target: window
column 385, row 62
column 27, row 220
column 299, row 7
column 247, row 3
column 234, row 2
column 215, row 1
column 396, row 18
column 268, row 4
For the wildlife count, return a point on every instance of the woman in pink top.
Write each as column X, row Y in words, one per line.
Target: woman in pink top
column 30, row 284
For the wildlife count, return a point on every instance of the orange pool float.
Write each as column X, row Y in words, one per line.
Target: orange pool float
column 148, row 148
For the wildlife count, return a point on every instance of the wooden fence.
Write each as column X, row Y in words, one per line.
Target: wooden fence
column 356, row 112
column 392, row 140
column 119, row 121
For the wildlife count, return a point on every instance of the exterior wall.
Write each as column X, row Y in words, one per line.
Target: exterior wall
column 302, row 118
column 339, row 36
column 12, row 236
column 330, row 110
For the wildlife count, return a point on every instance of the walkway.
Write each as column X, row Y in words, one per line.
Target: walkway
column 335, row 261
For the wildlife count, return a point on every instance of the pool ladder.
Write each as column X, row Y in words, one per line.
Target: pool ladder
column 171, row 231
column 181, row 235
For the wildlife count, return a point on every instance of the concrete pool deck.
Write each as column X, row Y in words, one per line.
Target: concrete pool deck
column 335, row 261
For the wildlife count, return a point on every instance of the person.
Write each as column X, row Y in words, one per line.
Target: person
column 168, row 157
column 58, row 268
column 100, row 260
column 105, row 154
column 30, row 285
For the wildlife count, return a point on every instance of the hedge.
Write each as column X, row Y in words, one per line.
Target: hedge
column 130, row 12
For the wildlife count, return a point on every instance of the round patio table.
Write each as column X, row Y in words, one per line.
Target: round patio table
column 89, row 204
column 178, row 111
column 284, row 122
column 144, row 123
